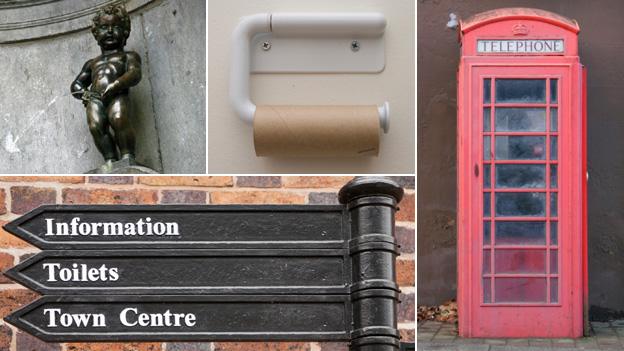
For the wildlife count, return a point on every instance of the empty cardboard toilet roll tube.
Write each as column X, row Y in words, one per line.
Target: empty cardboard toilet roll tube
column 316, row 130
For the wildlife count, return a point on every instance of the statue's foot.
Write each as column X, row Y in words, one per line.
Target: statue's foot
column 107, row 166
column 129, row 158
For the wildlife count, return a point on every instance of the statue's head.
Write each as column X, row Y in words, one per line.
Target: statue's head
column 111, row 27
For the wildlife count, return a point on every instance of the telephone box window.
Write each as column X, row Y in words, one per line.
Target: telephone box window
column 520, row 204
column 553, row 91
column 520, row 233
column 520, row 90
column 520, row 147
column 513, row 119
column 520, row 176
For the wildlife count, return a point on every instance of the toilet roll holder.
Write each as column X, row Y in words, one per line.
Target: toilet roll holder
column 305, row 43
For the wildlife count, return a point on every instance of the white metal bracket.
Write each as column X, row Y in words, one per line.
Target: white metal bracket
column 305, row 42
column 355, row 53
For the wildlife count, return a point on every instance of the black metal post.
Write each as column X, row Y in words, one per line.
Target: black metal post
column 372, row 203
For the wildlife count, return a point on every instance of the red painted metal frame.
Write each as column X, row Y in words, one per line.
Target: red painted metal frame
column 567, row 317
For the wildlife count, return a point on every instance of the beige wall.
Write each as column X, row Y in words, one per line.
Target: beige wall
column 230, row 141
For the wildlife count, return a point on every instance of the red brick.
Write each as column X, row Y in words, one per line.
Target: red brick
column 183, row 197
column 26, row 198
column 334, row 346
column 323, row 198
column 110, row 346
column 6, row 334
column 111, row 180
column 406, row 182
column 8, row 240
column 315, row 182
column 3, row 208
column 262, row 346
column 30, row 179
column 405, row 238
column 405, row 272
column 187, row 181
column 407, row 309
column 26, row 342
column 255, row 197
column 259, row 182
column 6, row 262
column 406, row 207
column 107, row 196
column 12, row 299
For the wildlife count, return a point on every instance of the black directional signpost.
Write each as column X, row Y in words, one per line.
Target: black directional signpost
column 291, row 272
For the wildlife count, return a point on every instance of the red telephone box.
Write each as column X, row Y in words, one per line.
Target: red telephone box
column 521, row 176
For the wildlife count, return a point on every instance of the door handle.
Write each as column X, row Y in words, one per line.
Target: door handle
column 476, row 170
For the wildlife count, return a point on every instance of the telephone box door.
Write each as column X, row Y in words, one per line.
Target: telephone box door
column 525, row 254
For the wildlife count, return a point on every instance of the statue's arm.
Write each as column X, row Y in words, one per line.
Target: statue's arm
column 132, row 76
column 82, row 81
column 129, row 79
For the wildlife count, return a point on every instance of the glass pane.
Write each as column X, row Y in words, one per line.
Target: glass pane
column 520, row 261
column 487, row 290
column 520, row 233
column 520, row 147
column 553, row 119
column 486, row 205
column 553, row 205
column 520, row 204
column 520, row 90
column 520, row 290
column 554, row 262
column 553, row 147
column 554, row 290
column 553, row 233
column 486, row 176
column 520, row 119
column 520, row 176
column 553, row 91
column 486, row 261
column 486, row 119
column 486, row 148
column 487, row 90
column 553, row 176
column 487, row 229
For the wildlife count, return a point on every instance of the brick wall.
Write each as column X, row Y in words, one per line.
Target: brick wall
column 19, row 195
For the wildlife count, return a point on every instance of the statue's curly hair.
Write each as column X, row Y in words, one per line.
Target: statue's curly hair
column 118, row 10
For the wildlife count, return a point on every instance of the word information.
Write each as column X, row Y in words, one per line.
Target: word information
column 526, row 46
column 143, row 226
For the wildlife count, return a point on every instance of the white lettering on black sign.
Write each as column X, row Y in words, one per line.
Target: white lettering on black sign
column 142, row 227
column 526, row 46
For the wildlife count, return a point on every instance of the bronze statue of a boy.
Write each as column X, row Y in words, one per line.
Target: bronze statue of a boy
column 103, row 85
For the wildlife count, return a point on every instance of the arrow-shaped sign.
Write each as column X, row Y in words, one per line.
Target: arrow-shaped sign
column 182, row 226
column 163, row 318
column 221, row 271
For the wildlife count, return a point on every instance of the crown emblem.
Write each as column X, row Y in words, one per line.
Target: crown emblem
column 520, row 29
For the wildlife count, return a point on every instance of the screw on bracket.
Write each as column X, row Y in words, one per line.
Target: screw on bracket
column 266, row 46
column 355, row 46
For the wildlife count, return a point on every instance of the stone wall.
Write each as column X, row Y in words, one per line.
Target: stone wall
column 19, row 195
column 44, row 130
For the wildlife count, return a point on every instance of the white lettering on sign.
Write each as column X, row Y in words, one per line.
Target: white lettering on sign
column 131, row 317
column 144, row 226
column 81, row 320
column 524, row 46
column 80, row 273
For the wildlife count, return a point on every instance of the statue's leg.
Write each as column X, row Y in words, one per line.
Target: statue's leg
column 119, row 119
column 98, row 126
